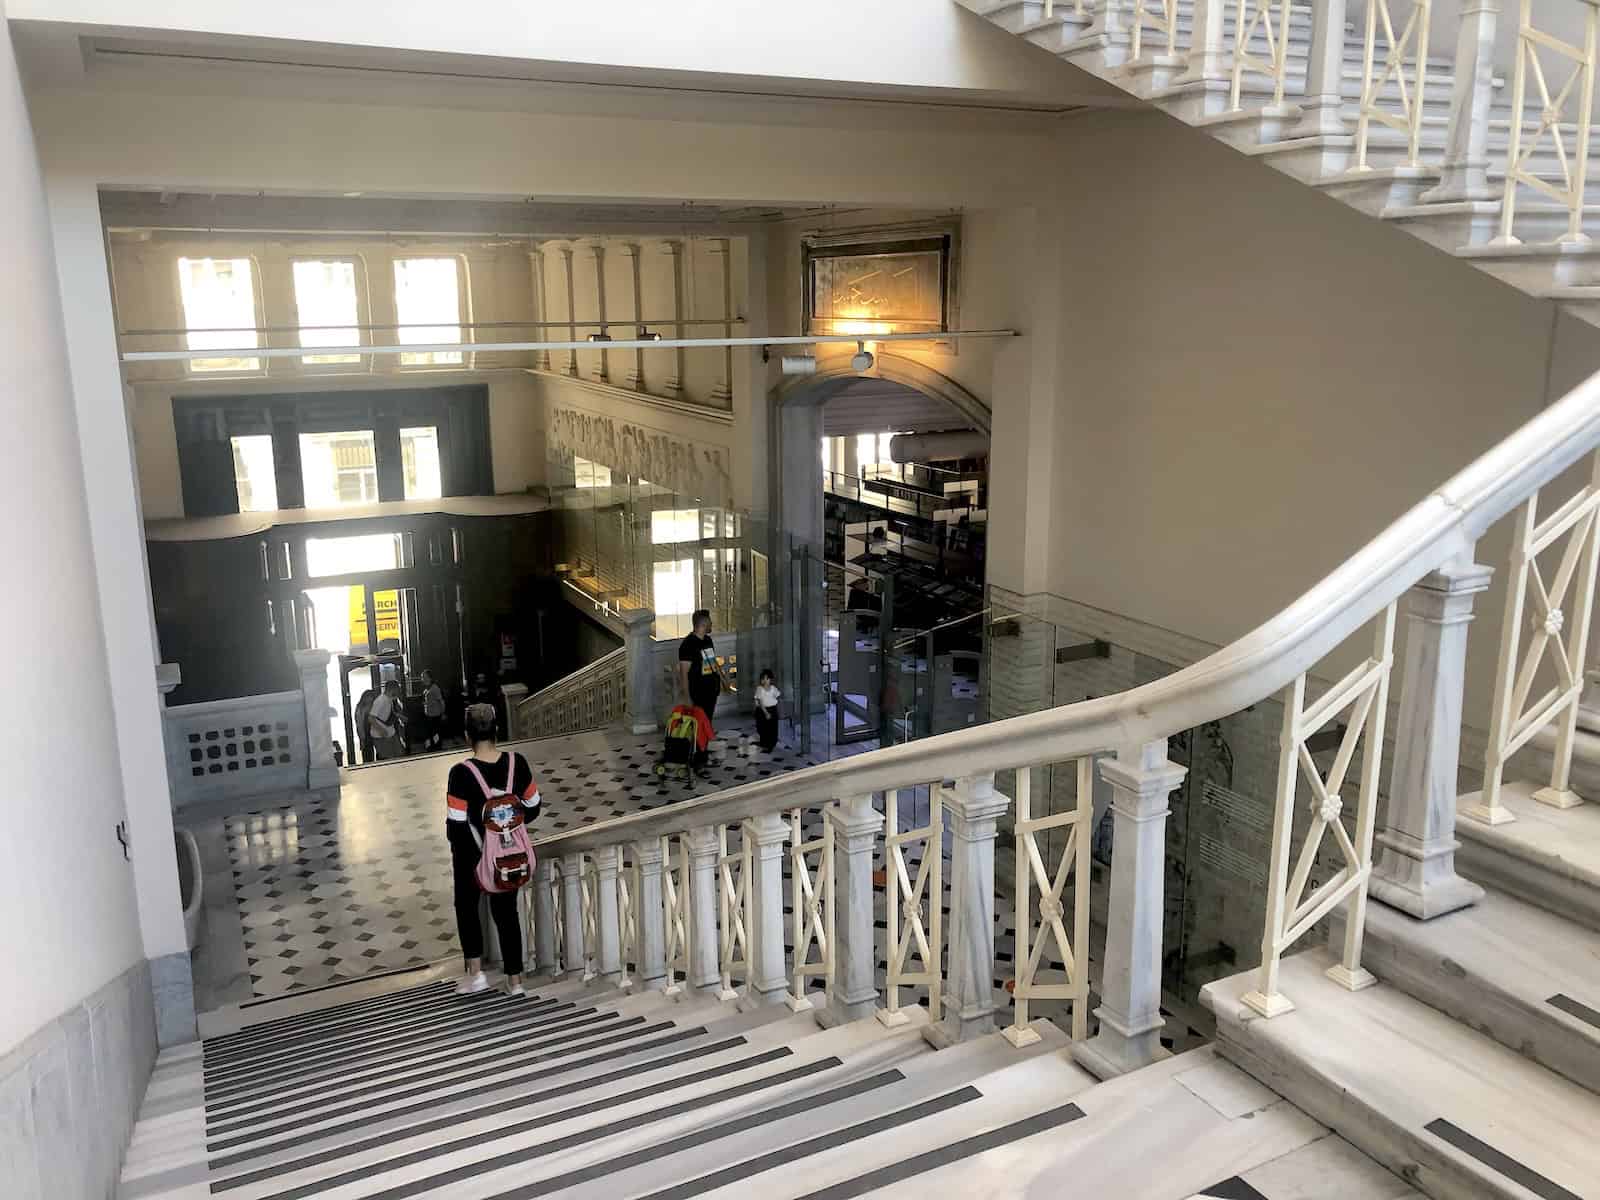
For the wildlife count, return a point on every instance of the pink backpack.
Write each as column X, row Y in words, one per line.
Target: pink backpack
column 507, row 861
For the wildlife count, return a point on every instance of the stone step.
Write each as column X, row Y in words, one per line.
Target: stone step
column 1458, row 1115
column 1547, row 856
column 1528, row 978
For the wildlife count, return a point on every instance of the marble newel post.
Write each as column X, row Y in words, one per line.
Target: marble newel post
column 972, row 807
column 856, row 825
column 769, row 836
column 1416, row 872
column 1464, row 174
column 546, row 898
column 705, row 967
column 574, row 956
column 1141, row 779
column 608, row 913
column 650, row 919
column 313, row 668
column 641, row 656
column 1320, row 107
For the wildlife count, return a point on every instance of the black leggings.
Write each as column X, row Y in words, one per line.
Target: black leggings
column 502, row 907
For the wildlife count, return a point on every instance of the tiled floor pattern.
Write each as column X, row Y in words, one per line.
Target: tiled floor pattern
column 332, row 893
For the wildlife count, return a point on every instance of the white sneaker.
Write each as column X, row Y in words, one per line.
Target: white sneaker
column 516, row 991
column 472, row 984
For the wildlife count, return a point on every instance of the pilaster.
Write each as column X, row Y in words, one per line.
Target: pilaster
column 972, row 811
column 856, row 825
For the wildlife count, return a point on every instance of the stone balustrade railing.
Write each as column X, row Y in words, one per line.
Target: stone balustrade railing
column 592, row 697
column 692, row 894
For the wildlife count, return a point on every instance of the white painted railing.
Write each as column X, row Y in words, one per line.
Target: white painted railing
column 724, row 902
column 1404, row 67
column 592, row 697
column 1268, row 21
column 1159, row 17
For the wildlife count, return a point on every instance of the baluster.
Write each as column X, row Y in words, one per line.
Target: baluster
column 547, row 917
column 607, row 915
column 703, row 899
column 1254, row 15
column 1416, row 870
column 855, row 835
column 1141, row 780
column 812, row 903
column 764, row 838
column 1322, row 107
column 733, row 927
column 574, row 915
column 675, row 911
column 1465, row 172
column 650, row 913
column 1413, row 37
column 973, row 807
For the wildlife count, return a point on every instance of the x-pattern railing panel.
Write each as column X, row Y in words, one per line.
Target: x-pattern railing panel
column 812, row 904
column 1571, row 105
column 1160, row 17
column 915, row 922
column 1258, row 17
column 736, row 917
column 589, row 895
column 628, row 918
column 1557, row 610
column 1034, row 878
column 675, row 906
column 1410, row 81
column 1362, row 696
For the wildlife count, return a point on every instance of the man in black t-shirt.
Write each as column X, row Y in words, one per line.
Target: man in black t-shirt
column 699, row 676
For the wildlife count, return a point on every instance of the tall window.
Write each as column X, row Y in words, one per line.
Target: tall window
column 427, row 302
column 419, row 458
column 325, row 298
column 673, row 597
column 668, row 525
column 219, row 309
column 339, row 468
column 254, row 474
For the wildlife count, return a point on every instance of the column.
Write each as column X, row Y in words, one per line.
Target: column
column 515, row 694
column 632, row 251
column 1208, row 54
column 674, row 249
column 722, row 393
column 1416, row 870
column 574, row 957
column 1130, row 993
column 649, row 916
column 856, row 825
column 572, row 310
column 313, row 667
column 546, row 896
column 608, row 914
column 597, row 254
column 1465, row 172
column 1321, row 106
column 641, row 656
column 769, row 981
column 705, row 967
column 541, row 360
column 972, row 809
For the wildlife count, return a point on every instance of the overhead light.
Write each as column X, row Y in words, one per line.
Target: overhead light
column 863, row 359
column 599, row 337
column 799, row 364
column 646, row 336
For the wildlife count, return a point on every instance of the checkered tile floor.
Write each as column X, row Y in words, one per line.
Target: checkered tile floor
column 332, row 893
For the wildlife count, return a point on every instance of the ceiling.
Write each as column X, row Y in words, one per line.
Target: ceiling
column 871, row 405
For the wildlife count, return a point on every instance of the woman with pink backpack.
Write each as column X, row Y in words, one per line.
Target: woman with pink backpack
column 490, row 800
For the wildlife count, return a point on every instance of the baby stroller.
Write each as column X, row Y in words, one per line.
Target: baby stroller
column 688, row 734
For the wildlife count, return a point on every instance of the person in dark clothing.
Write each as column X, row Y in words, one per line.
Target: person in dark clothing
column 699, row 675
column 464, row 804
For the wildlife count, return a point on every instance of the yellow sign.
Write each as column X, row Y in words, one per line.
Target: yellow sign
column 387, row 604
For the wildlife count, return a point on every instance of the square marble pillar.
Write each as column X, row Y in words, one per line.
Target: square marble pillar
column 705, row 966
column 313, row 668
column 575, row 957
column 1464, row 174
column 608, row 914
column 1141, row 778
column 856, row 825
column 640, row 648
column 769, row 982
column 546, row 898
column 649, row 915
column 1416, row 868
column 971, row 809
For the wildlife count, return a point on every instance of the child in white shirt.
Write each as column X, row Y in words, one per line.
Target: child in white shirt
column 767, row 696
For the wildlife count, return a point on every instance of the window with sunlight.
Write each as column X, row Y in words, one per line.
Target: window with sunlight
column 427, row 302
column 673, row 597
column 669, row 525
column 419, row 456
column 325, row 299
column 254, row 474
column 586, row 474
column 219, row 310
column 339, row 468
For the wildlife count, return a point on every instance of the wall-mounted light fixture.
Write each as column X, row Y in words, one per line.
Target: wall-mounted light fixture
column 599, row 337
column 646, row 336
column 799, row 364
column 863, row 359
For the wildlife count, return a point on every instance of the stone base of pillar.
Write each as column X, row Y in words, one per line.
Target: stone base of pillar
column 1558, row 797
column 842, row 1012
column 1420, row 881
column 956, row 1028
column 1118, row 1048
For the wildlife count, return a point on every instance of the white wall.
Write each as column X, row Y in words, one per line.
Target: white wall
column 65, row 933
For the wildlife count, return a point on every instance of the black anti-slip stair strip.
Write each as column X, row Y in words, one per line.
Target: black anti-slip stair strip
column 450, row 1065
column 649, row 1154
column 363, row 1102
column 1498, row 1160
column 492, row 1030
column 331, row 1012
column 360, row 1040
column 564, row 1027
column 502, row 1110
column 326, row 987
column 366, row 1027
column 1575, row 1008
column 511, row 1130
column 435, row 1101
column 601, row 1132
column 942, row 1156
